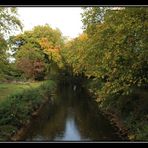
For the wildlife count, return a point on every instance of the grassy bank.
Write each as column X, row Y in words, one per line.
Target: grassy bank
column 128, row 112
column 7, row 89
column 17, row 109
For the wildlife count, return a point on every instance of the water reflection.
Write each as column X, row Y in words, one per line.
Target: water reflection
column 71, row 132
column 73, row 117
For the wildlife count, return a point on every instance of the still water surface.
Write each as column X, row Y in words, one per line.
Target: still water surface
column 74, row 116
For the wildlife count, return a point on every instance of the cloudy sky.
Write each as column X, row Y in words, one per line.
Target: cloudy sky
column 67, row 19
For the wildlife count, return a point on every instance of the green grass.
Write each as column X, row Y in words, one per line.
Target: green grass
column 7, row 89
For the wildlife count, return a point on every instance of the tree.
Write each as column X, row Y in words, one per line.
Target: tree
column 8, row 23
column 115, row 50
column 3, row 57
column 36, row 47
column 9, row 20
column 123, row 41
column 91, row 17
column 74, row 54
column 31, row 62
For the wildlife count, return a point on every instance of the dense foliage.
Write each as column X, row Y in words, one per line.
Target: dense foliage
column 115, row 53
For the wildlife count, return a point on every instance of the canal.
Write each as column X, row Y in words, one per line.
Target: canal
column 73, row 116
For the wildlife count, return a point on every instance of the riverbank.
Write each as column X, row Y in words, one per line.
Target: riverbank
column 21, row 133
column 117, row 122
column 17, row 110
column 113, row 118
column 127, row 113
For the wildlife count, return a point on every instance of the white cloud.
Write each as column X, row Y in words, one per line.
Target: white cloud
column 67, row 19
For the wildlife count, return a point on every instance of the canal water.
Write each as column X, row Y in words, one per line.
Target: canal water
column 73, row 116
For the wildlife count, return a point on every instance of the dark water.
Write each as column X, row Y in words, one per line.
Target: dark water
column 74, row 116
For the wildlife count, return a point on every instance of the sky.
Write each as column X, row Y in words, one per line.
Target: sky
column 67, row 19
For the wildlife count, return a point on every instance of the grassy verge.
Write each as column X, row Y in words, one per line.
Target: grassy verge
column 7, row 89
column 17, row 108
